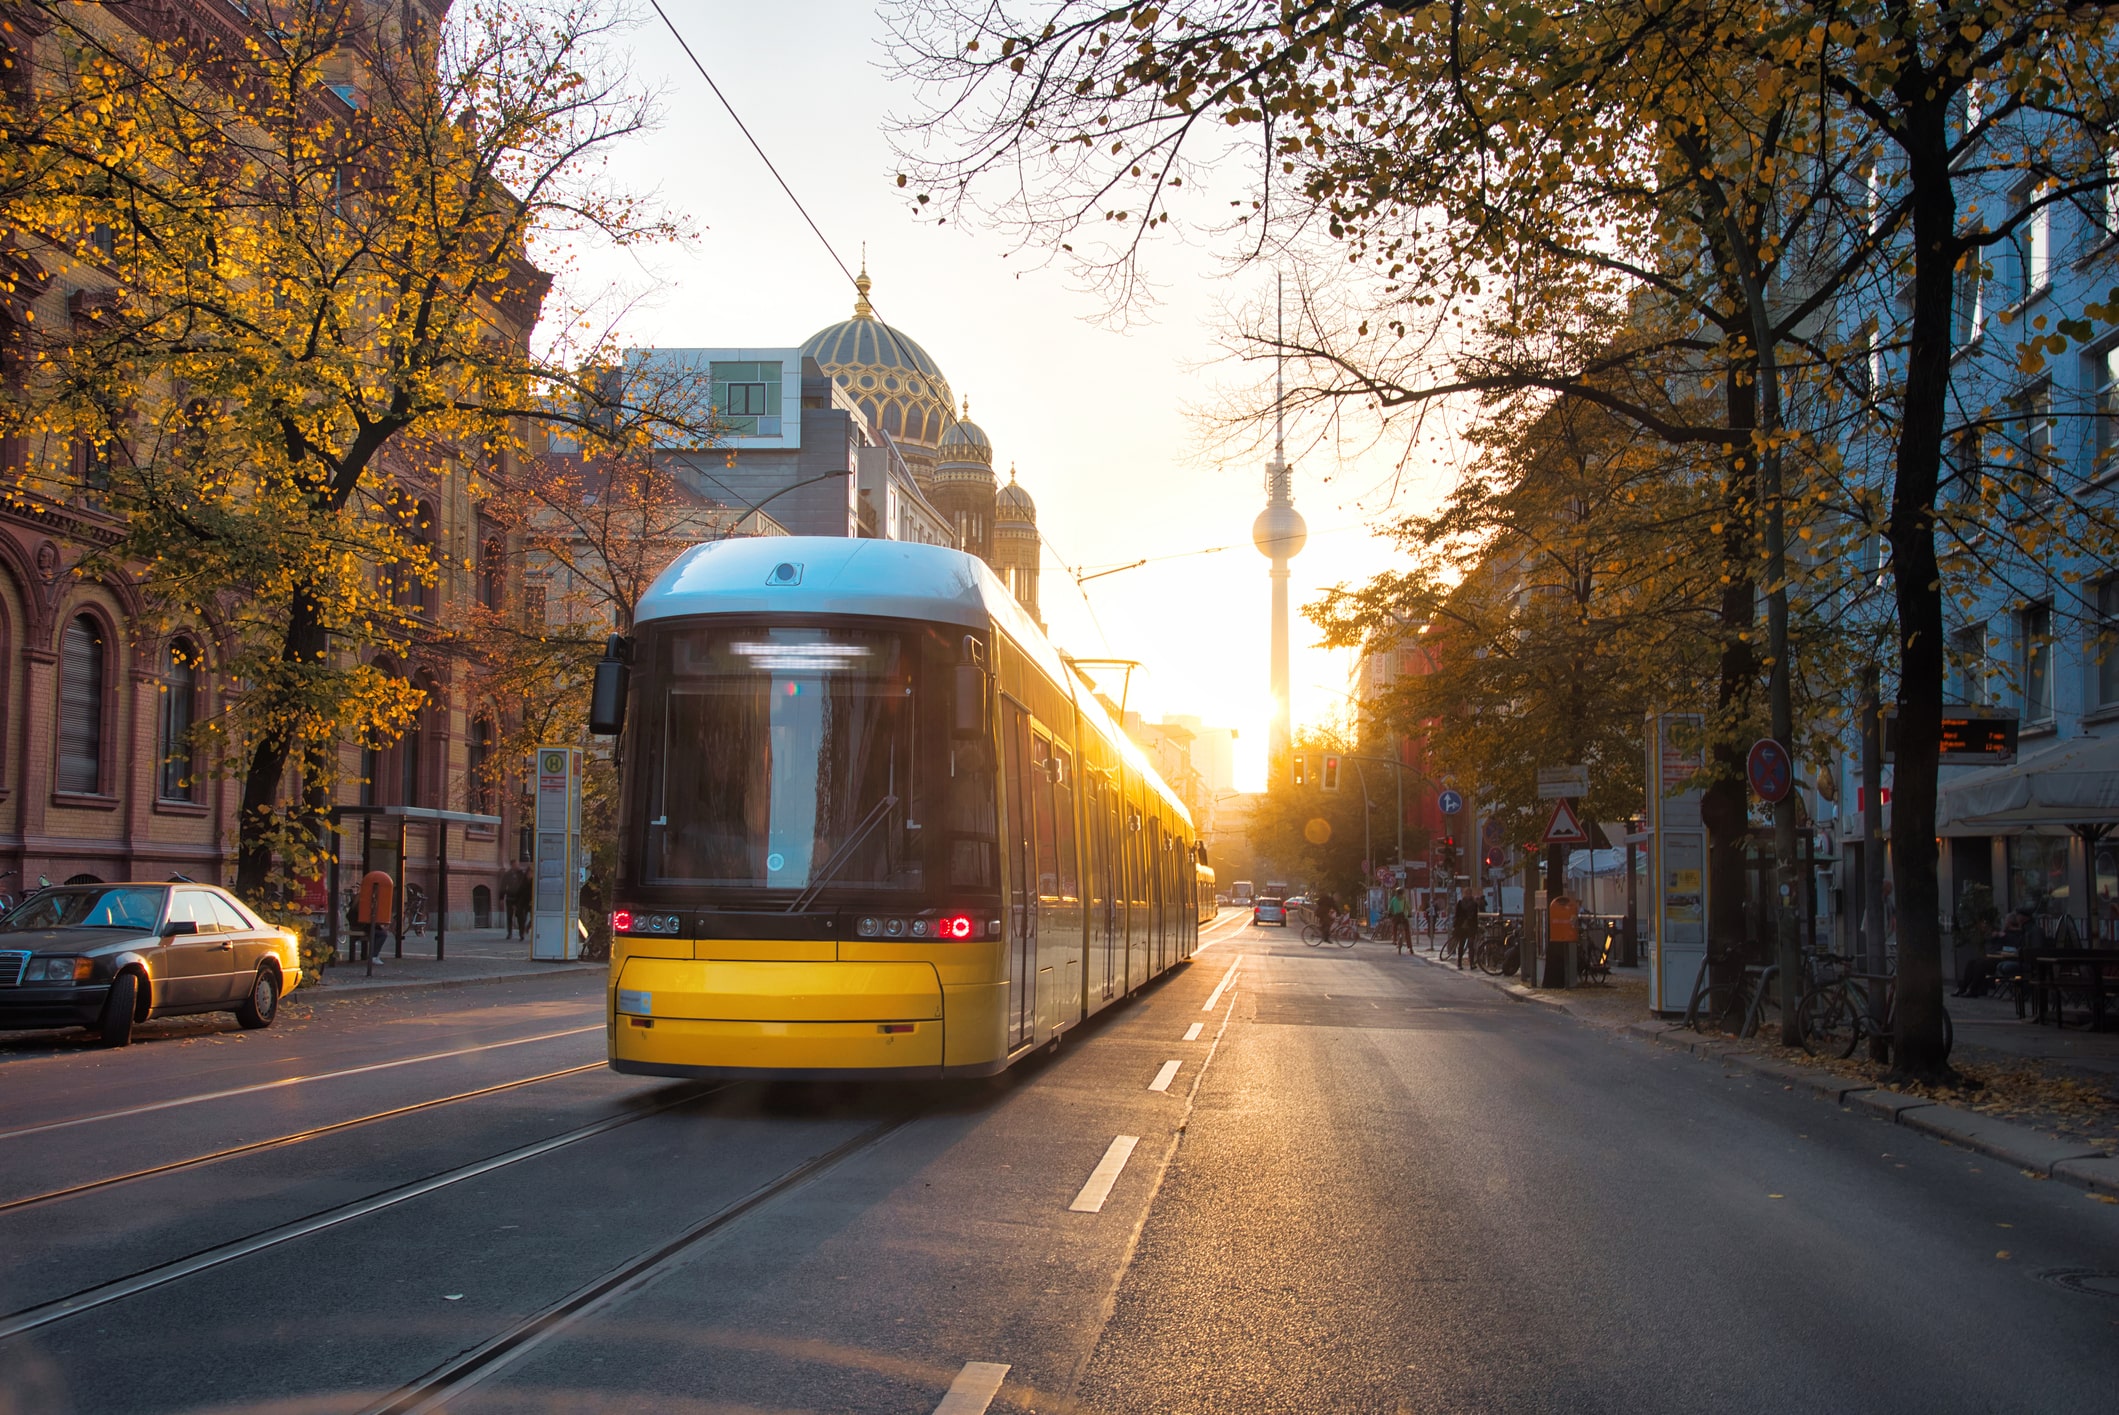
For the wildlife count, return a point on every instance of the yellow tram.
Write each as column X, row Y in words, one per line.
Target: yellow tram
column 872, row 825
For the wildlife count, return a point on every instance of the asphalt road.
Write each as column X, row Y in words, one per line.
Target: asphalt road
column 1370, row 1184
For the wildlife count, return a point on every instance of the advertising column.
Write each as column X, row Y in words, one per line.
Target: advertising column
column 1677, row 860
column 554, row 934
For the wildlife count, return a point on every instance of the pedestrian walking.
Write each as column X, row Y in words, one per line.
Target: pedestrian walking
column 519, row 901
column 1401, row 922
column 510, row 882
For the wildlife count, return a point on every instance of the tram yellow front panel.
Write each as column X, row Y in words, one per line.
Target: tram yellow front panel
column 724, row 990
column 779, row 1016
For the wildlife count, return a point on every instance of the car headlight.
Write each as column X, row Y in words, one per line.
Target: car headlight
column 58, row 970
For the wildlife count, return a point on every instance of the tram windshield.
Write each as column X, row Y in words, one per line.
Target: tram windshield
column 785, row 757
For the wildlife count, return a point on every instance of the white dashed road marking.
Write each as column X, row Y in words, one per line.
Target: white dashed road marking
column 1214, row 997
column 1164, row 1077
column 1098, row 1189
column 1192, row 1032
column 973, row 1389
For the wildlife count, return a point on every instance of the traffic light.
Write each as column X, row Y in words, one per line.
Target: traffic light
column 1328, row 773
column 1301, row 777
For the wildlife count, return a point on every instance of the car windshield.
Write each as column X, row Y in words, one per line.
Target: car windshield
column 123, row 907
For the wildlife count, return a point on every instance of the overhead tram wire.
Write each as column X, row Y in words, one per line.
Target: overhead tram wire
column 757, row 147
column 1084, row 575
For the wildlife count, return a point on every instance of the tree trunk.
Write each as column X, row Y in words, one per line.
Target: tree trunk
column 302, row 649
column 1917, row 580
column 1723, row 806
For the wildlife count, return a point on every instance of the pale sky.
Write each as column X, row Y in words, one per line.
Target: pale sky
column 1095, row 420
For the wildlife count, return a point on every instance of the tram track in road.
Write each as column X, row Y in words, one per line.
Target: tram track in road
column 71, row 1191
column 44, row 1314
column 434, row 1390
column 282, row 1083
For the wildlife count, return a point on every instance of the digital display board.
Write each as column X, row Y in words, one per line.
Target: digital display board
column 1968, row 739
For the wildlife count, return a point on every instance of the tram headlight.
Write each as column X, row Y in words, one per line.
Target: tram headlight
column 893, row 928
column 869, row 927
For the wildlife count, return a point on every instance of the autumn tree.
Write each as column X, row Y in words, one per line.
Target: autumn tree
column 319, row 240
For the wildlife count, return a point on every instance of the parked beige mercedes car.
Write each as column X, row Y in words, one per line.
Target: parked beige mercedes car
column 110, row 956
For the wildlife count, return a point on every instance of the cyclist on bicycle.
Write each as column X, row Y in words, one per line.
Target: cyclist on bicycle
column 1327, row 911
column 1401, row 922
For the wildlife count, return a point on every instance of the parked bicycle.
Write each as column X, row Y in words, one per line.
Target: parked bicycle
column 1840, row 1012
column 1593, row 956
column 1732, row 996
column 1499, row 950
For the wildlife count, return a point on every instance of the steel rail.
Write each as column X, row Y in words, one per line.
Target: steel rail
column 216, row 1156
column 103, row 1294
column 284, row 1082
column 446, row 1382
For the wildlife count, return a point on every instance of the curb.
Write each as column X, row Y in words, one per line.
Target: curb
column 326, row 993
column 2037, row 1155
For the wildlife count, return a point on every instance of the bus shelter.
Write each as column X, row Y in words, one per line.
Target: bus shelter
column 397, row 818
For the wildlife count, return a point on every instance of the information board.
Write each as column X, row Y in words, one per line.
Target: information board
column 555, row 935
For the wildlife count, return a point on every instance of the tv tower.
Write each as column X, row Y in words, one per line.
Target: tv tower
column 1279, row 533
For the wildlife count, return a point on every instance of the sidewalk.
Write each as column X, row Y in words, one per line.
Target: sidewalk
column 2047, row 1099
column 473, row 956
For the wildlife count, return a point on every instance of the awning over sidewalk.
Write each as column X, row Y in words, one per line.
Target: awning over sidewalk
column 2071, row 786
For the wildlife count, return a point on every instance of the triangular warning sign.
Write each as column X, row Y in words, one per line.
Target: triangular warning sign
column 1563, row 828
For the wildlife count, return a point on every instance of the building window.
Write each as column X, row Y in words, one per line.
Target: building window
column 82, row 678
column 1968, row 665
column 2101, row 376
column 533, row 604
column 1969, row 314
column 2022, row 262
column 2035, row 662
column 2107, row 643
column 493, row 572
column 178, row 778
column 2030, row 434
column 747, row 397
column 478, row 767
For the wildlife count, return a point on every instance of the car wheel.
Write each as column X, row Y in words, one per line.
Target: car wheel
column 115, row 1026
column 263, row 1004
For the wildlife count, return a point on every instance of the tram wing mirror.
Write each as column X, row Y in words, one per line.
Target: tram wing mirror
column 969, row 720
column 607, row 696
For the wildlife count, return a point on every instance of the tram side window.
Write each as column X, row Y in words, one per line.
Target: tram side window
column 1041, row 785
column 1063, row 826
column 1016, row 764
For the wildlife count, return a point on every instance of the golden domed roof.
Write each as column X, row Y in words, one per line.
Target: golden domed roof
column 1012, row 503
column 965, row 441
column 898, row 385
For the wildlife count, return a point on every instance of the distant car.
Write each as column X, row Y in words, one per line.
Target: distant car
column 110, row 956
column 1267, row 910
column 1221, row 901
column 1298, row 901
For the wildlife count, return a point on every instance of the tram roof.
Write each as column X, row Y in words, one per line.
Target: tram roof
column 892, row 579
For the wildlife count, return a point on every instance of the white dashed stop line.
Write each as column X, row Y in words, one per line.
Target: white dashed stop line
column 1164, row 1077
column 1192, row 1032
column 973, row 1389
column 1214, row 998
column 1098, row 1189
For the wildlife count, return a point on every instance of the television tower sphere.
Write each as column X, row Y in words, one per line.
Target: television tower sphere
column 1280, row 532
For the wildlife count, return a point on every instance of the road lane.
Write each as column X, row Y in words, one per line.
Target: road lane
column 1403, row 1191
